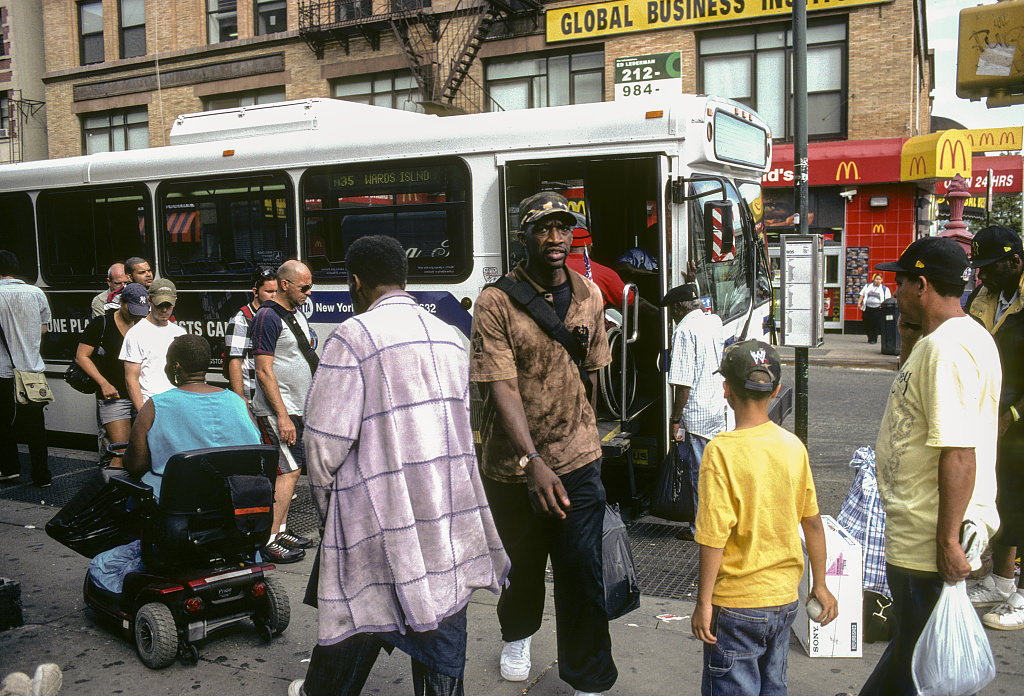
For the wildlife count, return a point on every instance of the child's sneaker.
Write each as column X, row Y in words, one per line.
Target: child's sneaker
column 1008, row 616
column 985, row 593
column 47, row 680
column 515, row 660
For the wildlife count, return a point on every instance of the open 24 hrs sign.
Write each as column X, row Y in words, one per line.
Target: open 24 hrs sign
column 647, row 76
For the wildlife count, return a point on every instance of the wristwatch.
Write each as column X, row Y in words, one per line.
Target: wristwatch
column 525, row 459
column 1014, row 414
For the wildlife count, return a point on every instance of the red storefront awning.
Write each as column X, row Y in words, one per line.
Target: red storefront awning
column 840, row 163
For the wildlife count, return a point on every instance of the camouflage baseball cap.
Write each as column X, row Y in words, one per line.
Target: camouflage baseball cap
column 541, row 205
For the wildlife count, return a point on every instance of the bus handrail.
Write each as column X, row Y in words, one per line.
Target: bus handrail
column 629, row 335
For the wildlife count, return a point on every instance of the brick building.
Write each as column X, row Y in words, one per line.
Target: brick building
column 22, row 119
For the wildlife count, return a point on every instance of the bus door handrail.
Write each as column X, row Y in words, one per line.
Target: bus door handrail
column 628, row 336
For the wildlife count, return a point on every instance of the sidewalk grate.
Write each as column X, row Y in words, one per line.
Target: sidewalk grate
column 665, row 566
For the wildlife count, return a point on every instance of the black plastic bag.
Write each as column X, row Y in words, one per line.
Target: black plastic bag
column 621, row 588
column 672, row 495
column 97, row 519
column 877, row 617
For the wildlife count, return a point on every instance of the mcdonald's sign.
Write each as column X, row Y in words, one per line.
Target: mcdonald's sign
column 918, row 167
column 878, row 228
column 952, row 147
column 938, row 155
column 845, row 168
column 995, row 139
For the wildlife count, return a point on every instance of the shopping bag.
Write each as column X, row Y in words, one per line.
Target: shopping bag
column 952, row 656
column 621, row 588
column 97, row 518
column 672, row 495
column 863, row 517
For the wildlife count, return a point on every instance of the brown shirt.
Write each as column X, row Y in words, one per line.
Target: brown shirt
column 507, row 343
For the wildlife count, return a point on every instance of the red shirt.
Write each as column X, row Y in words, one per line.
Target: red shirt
column 606, row 279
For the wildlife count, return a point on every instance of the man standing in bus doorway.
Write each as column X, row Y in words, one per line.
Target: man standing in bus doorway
column 139, row 271
column 241, row 366
column 24, row 315
column 116, row 280
column 284, row 348
column 541, row 458
column 144, row 350
column 998, row 304
column 698, row 407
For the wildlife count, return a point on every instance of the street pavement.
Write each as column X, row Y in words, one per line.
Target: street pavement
column 654, row 657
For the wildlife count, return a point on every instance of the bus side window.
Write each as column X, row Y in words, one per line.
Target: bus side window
column 18, row 233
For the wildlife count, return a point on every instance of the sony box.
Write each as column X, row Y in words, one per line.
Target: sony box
column 844, row 574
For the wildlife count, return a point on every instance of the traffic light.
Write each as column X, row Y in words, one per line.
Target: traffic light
column 990, row 53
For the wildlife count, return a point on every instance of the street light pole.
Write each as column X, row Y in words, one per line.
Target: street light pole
column 801, row 174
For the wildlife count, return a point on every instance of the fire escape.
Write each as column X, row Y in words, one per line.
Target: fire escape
column 439, row 46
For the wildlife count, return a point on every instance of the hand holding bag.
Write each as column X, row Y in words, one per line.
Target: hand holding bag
column 672, row 496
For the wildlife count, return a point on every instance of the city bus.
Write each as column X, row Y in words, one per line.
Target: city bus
column 244, row 188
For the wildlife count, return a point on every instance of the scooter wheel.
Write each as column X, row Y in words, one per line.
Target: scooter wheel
column 156, row 636
column 190, row 654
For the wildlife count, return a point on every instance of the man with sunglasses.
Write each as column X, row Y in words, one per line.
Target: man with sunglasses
column 283, row 345
column 241, row 366
column 116, row 279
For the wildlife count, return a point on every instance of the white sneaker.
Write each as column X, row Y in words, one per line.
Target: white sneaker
column 515, row 660
column 585, row 693
column 1008, row 616
column 47, row 680
column 295, row 688
column 985, row 593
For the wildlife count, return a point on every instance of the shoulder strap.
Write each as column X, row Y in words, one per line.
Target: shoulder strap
column 541, row 311
column 3, row 338
column 247, row 312
column 307, row 350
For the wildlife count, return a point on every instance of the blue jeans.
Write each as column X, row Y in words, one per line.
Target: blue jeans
column 694, row 453
column 914, row 596
column 752, row 651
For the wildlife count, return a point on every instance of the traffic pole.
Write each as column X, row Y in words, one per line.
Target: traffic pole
column 801, row 175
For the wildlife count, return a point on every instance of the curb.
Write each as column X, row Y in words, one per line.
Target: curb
column 862, row 363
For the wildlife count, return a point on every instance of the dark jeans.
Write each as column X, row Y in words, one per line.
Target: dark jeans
column 914, row 596
column 752, row 651
column 343, row 668
column 24, row 423
column 872, row 322
column 574, row 545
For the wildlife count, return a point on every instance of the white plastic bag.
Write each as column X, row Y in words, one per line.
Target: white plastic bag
column 952, row 656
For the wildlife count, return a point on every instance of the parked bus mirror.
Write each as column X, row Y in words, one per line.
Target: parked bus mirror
column 719, row 240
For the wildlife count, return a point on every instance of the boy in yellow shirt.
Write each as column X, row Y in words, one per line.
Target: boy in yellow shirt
column 755, row 487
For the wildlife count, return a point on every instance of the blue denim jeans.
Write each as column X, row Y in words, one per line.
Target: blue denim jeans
column 914, row 596
column 751, row 654
column 694, row 452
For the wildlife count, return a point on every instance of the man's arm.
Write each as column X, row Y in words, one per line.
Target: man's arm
column 547, row 495
column 710, row 563
column 957, row 467
column 132, row 372
column 682, row 395
column 137, row 458
column 235, row 376
column 814, row 534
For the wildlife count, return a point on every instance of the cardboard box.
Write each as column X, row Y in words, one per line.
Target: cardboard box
column 844, row 575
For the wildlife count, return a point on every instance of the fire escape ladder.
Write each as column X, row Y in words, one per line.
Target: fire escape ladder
column 461, row 54
column 418, row 34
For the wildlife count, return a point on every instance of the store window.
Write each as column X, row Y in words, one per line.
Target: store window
column 397, row 90
column 424, row 205
column 755, row 68
column 251, row 98
column 223, row 229
column 112, row 131
column 553, row 80
column 133, row 28
column 221, row 20
column 271, row 16
column 90, row 32
column 82, row 231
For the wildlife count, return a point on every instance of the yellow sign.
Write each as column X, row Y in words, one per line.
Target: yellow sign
column 878, row 228
column 938, row 155
column 995, row 139
column 627, row 16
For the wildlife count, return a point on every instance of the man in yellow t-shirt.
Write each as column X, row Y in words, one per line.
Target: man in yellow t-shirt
column 755, row 488
column 936, row 447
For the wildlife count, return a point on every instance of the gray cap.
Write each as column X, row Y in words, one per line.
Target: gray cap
column 135, row 298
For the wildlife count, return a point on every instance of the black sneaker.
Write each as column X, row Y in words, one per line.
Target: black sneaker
column 276, row 552
column 294, row 541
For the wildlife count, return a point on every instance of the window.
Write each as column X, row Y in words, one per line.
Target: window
column 133, row 28
column 5, row 117
column 113, row 131
column 754, row 198
column 90, row 32
column 18, row 233
column 221, row 20
column 223, row 229
column 271, row 16
column 756, row 69
column 393, row 90
column 82, row 232
column 728, row 282
column 233, row 101
column 424, row 205
column 529, row 83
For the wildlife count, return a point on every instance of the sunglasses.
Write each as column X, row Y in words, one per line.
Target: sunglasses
column 302, row 288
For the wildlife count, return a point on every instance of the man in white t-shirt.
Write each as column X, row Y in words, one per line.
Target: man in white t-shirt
column 144, row 351
column 936, row 449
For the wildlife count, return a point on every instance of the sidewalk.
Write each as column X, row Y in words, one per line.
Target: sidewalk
column 845, row 350
column 654, row 658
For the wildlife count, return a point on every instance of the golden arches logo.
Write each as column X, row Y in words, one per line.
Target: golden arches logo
column 845, row 168
column 917, row 166
column 1006, row 138
column 878, row 228
column 952, row 148
column 985, row 138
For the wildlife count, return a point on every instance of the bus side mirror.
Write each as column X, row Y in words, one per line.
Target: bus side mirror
column 719, row 240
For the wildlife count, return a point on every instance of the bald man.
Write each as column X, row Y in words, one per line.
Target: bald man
column 116, row 279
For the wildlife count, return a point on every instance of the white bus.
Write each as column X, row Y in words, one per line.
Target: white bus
column 248, row 187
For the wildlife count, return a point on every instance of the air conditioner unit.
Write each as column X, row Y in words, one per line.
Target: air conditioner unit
column 5, row 132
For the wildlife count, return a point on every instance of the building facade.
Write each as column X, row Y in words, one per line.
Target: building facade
column 22, row 113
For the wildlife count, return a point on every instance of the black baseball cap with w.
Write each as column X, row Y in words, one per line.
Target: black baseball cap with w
column 936, row 258
column 752, row 364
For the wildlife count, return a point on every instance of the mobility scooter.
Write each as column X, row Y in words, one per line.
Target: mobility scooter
column 199, row 542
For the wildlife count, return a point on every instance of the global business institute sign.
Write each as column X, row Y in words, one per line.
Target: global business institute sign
column 627, row 16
